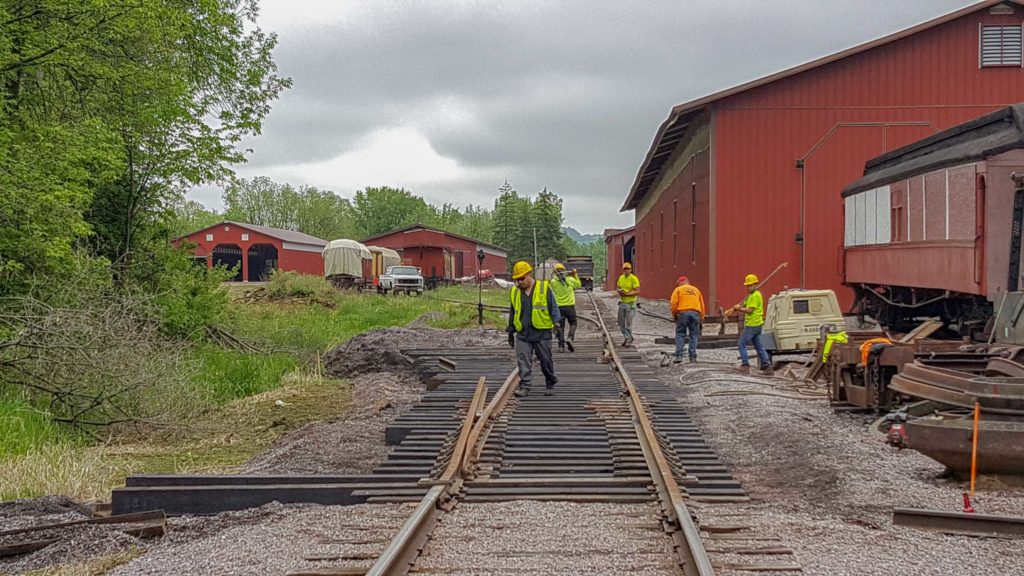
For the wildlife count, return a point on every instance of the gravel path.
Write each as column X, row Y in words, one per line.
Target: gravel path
column 272, row 540
column 821, row 482
column 548, row 539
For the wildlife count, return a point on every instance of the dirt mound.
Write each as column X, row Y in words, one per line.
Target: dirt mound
column 44, row 510
column 381, row 349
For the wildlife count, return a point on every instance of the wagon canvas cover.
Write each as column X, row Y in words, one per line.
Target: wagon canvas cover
column 344, row 257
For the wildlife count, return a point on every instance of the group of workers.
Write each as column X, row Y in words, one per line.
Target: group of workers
column 541, row 307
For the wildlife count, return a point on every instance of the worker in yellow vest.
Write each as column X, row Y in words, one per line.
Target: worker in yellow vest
column 753, row 323
column 564, row 286
column 627, row 287
column 532, row 315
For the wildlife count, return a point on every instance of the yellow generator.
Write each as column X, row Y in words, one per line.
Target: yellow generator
column 793, row 318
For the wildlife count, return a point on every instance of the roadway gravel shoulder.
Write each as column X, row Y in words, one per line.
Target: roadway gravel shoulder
column 821, row 482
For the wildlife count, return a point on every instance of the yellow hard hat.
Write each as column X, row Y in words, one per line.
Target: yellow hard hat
column 559, row 266
column 627, row 265
column 522, row 268
column 750, row 279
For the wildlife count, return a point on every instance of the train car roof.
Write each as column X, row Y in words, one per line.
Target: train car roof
column 977, row 139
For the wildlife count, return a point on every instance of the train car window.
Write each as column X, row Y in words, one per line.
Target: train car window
column 816, row 306
column 801, row 307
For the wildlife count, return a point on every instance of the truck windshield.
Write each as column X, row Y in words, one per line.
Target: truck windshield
column 404, row 270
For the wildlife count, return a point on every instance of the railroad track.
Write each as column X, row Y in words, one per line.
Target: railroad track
column 612, row 435
column 599, row 475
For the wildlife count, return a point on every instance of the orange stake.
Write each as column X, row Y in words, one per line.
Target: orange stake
column 974, row 445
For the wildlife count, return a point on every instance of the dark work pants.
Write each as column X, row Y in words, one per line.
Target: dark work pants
column 524, row 358
column 568, row 313
column 687, row 324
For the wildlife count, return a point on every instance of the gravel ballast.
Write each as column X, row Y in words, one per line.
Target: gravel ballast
column 821, row 482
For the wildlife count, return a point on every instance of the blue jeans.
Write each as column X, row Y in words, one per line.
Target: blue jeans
column 752, row 334
column 687, row 322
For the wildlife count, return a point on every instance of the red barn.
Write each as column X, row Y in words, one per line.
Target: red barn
column 747, row 178
column 441, row 255
column 264, row 248
column 620, row 246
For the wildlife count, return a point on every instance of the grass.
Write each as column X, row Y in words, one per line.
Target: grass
column 24, row 429
column 250, row 399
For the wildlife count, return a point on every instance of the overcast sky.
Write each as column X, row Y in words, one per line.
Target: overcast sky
column 448, row 99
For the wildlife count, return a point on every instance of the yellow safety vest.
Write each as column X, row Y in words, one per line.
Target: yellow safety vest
column 540, row 318
column 565, row 290
column 830, row 341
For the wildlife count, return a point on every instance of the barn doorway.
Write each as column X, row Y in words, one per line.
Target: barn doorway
column 230, row 257
column 629, row 252
column 262, row 262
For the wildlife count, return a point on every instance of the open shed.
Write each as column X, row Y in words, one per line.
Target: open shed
column 254, row 251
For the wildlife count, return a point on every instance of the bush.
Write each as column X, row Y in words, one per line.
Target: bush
column 190, row 298
column 288, row 284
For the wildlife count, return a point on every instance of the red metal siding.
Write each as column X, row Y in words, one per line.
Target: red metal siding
column 834, row 118
column 224, row 234
column 675, row 238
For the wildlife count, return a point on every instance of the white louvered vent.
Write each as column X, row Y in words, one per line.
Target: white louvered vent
column 1001, row 46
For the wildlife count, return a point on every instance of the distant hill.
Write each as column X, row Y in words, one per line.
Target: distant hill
column 581, row 238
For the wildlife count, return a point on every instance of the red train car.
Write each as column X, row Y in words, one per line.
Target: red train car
column 929, row 228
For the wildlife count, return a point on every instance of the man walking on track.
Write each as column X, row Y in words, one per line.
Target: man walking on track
column 564, row 287
column 532, row 315
column 628, row 287
column 753, row 307
column 688, row 312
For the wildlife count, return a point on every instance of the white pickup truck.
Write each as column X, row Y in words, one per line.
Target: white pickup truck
column 397, row 279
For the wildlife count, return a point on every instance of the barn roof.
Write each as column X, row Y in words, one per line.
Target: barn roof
column 674, row 128
column 971, row 141
column 281, row 234
column 414, row 227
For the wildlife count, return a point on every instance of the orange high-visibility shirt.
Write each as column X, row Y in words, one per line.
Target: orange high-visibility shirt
column 687, row 297
column 865, row 348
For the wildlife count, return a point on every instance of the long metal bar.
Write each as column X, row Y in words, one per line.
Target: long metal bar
column 959, row 522
column 478, row 436
column 455, row 462
column 403, row 549
column 694, row 558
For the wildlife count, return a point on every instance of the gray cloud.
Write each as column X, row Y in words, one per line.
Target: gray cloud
column 560, row 94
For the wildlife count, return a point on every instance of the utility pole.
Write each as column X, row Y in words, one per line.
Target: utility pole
column 537, row 261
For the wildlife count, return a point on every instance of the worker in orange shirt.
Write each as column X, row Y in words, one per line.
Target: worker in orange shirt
column 688, row 312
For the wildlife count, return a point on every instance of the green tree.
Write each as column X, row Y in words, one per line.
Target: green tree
column 378, row 210
column 546, row 220
column 110, row 110
column 190, row 216
column 308, row 209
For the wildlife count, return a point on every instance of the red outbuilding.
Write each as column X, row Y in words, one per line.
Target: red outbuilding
column 742, row 180
column 441, row 255
column 620, row 245
column 255, row 250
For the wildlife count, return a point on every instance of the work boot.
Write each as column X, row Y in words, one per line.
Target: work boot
column 549, row 391
column 743, row 368
column 561, row 347
column 522, row 392
column 677, row 359
column 767, row 371
column 569, row 344
column 693, row 359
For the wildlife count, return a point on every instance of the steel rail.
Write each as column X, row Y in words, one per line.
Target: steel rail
column 692, row 555
column 481, row 430
column 959, row 522
column 403, row 549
